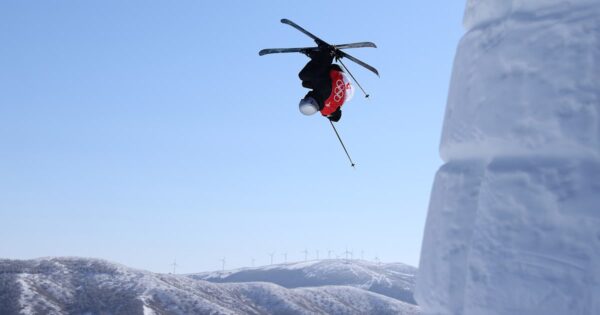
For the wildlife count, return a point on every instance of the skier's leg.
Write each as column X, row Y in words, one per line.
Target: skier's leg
column 316, row 68
column 308, row 73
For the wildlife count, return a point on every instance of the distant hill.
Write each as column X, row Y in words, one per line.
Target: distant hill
column 91, row 286
column 395, row 280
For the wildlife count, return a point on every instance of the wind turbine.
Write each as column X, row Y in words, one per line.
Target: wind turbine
column 174, row 264
column 346, row 253
column 284, row 257
column 223, row 264
column 377, row 261
column 305, row 251
column 272, row 254
column 329, row 254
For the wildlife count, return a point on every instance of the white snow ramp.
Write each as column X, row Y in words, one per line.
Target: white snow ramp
column 514, row 218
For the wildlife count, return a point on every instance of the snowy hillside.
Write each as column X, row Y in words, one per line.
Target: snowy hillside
column 514, row 217
column 88, row 286
column 394, row 280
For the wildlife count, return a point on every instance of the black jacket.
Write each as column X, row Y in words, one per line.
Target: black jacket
column 315, row 75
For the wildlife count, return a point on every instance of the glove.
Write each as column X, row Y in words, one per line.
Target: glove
column 336, row 116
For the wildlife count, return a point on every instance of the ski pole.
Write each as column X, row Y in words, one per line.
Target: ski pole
column 343, row 146
column 353, row 78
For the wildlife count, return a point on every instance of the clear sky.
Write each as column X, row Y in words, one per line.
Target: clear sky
column 142, row 132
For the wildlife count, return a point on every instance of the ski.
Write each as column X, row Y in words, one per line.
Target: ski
column 356, row 45
column 339, row 53
column 305, row 49
column 307, row 33
column 285, row 50
column 360, row 62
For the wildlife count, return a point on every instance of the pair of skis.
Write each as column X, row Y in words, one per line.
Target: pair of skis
column 337, row 52
column 321, row 43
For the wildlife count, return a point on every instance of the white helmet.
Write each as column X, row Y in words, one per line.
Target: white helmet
column 308, row 106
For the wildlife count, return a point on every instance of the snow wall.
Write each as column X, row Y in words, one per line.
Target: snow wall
column 514, row 218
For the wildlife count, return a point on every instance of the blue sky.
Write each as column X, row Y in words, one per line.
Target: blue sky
column 143, row 132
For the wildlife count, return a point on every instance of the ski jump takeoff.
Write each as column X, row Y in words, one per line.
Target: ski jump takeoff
column 330, row 88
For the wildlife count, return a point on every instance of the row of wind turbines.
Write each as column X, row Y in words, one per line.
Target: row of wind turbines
column 331, row 254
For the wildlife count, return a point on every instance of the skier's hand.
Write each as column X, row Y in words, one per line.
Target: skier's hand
column 336, row 116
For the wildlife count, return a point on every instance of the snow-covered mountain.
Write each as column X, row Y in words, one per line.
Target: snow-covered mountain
column 395, row 280
column 514, row 217
column 90, row 286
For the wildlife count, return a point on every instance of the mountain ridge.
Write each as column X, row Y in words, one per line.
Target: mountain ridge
column 73, row 285
column 395, row 280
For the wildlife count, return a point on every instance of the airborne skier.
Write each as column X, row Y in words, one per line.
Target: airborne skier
column 330, row 88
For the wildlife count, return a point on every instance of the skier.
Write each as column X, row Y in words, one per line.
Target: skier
column 329, row 87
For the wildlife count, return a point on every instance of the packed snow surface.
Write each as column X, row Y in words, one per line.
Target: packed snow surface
column 514, row 217
column 485, row 11
column 90, row 286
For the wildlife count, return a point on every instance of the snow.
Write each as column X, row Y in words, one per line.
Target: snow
column 91, row 286
column 514, row 217
column 395, row 280
column 479, row 12
column 147, row 310
column 26, row 296
column 526, row 86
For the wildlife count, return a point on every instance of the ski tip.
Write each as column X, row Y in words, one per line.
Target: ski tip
column 367, row 95
column 285, row 21
column 265, row 52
